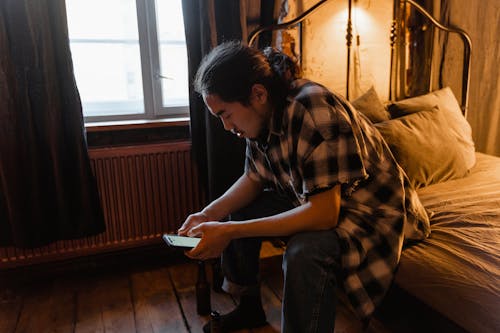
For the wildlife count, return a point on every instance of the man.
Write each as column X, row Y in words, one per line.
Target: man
column 317, row 173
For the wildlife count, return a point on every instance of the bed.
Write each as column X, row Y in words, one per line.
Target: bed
column 456, row 270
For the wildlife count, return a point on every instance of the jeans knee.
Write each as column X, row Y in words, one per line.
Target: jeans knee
column 298, row 253
column 310, row 250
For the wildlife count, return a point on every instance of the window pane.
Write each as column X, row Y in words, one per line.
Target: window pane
column 173, row 54
column 105, row 49
column 174, row 67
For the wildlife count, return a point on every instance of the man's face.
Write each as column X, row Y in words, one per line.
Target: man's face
column 243, row 121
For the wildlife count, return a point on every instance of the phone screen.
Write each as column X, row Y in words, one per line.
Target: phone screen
column 182, row 241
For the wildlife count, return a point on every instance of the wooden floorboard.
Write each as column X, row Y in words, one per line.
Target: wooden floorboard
column 184, row 281
column 150, row 298
column 63, row 307
column 155, row 304
column 88, row 307
column 46, row 307
column 112, row 296
column 10, row 308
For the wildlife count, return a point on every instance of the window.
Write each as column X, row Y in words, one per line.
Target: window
column 129, row 58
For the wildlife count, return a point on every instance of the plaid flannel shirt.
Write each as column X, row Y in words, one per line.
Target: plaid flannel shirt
column 317, row 142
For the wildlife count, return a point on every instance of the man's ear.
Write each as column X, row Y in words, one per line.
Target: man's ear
column 259, row 92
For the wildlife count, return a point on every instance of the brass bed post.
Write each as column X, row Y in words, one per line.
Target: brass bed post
column 467, row 44
column 402, row 45
column 348, row 38
column 393, row 38
column 301, row 43
column 397, row 67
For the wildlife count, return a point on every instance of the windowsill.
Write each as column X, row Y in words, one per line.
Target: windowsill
column 106, row 126
column 131, row 132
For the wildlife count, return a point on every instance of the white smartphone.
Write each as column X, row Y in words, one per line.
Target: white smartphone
column 181, row 241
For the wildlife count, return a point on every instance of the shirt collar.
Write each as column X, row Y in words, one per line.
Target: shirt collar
column 275, row 126
column 276, row 121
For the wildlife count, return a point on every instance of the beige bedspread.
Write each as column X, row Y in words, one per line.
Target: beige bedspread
column 456, row 271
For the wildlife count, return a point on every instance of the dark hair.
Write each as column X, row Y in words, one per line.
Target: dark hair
column 231, row 69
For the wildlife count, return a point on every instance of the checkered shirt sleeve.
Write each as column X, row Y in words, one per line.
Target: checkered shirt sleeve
column 328, row 150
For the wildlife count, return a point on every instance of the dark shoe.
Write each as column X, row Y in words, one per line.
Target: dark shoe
column 244, row 316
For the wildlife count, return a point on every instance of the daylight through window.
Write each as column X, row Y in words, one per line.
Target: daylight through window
column 129, row 58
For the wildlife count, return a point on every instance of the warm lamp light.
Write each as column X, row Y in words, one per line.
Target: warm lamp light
column 356, row 17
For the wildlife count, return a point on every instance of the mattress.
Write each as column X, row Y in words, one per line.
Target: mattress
column 456, row 270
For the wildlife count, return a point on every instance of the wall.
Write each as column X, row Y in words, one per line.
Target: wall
column 480, row 19
column 325, row 50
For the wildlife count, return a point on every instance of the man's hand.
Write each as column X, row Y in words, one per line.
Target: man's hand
column 192, row 221
column 215, row 237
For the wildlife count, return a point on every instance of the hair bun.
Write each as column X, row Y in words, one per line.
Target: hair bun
column 281, row 64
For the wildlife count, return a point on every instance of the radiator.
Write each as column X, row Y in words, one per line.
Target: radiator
column 145, row 191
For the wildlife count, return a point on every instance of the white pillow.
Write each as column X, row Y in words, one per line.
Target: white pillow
column 425, row 147
column 445, row 100
column 371, row 106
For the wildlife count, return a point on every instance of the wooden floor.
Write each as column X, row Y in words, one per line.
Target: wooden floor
column 131, row 298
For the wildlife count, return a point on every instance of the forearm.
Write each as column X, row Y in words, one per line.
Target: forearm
column 319, row 213
column 239, row 195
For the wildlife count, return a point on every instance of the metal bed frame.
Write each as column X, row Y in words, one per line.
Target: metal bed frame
column 398, row 84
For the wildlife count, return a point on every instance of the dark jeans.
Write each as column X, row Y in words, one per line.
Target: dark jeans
column 310, row 264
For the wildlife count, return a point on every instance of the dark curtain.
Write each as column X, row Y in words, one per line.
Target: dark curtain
column 219, row 154
column 47, row 190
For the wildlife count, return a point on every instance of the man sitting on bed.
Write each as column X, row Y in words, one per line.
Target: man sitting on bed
column 317, row 173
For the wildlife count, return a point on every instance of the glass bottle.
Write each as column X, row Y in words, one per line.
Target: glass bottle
column 215, row 323
column 218, row 277
column 202, row 291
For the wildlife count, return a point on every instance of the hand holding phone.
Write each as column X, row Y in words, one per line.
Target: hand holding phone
column 181, row 241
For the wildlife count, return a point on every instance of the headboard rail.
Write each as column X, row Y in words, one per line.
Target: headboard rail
column 398, row 43
column 399, row 55
column 285, row 25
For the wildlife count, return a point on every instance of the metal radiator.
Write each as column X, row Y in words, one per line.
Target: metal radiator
column 145, row 191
